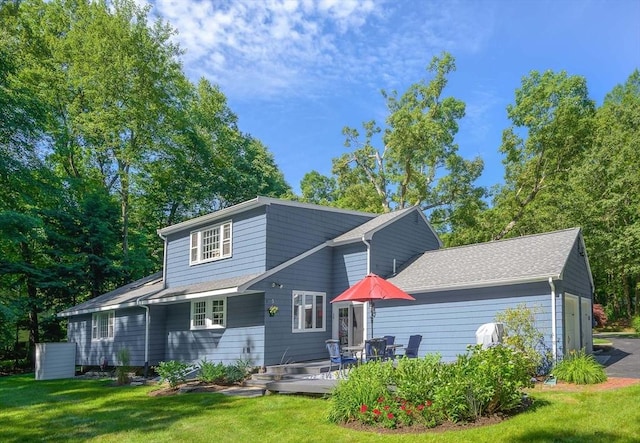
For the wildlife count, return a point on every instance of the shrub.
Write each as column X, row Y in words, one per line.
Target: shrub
column 426, row 391
column 211, row 372
column 581, row 368
column 521, row 333
column 635, row 323
column 172, row 371
column 123, row 369
column 238, row 371
column 599, row 316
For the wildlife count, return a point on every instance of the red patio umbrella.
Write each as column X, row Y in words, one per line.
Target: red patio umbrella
column 371, row 288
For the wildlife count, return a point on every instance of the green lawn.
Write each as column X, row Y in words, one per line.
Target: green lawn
column 91, row 410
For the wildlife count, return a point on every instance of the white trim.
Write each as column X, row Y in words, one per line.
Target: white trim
column 195, row 296
column 197, row 234
column 208, row 314
column 303, row 329
column 485, row 284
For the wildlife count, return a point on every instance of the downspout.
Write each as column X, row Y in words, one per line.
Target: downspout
column 372, row 309
column 366, row 242
column 146, row 336
column 554, row 345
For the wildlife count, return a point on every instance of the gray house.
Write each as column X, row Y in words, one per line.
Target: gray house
column 224, row 271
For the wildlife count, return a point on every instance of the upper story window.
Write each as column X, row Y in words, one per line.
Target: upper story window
column 103, row 325
column 211, row 243
column 308, row 311
column 208, row 313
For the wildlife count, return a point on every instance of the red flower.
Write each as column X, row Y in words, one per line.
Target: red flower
column 363, row 409
column 403, row 407
column 420, row 407
column 386, row 408
column 376, row 411
column 408, row 411
column 429, row 403
column 390, row 416
column 380, row 399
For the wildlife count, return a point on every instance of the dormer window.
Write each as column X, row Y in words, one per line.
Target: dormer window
column 211, row 243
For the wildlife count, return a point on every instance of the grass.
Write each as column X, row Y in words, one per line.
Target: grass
column 96, row 411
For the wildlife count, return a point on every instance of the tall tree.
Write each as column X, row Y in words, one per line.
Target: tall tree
column 552, row 128
column 607, row 195
column 418, row 161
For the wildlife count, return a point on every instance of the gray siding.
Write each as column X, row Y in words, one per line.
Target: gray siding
column 402, row 240
column 282, row 345
column 128, row 333
column 349, row 266
column 575, row 278
column 292, row 230
column 249, row 252
column 243, row 338
column 448, row 321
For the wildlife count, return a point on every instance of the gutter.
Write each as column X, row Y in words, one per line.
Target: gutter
column 147, row 317
column 554, row 344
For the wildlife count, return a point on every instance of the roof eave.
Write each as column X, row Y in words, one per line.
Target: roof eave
column 484, row 284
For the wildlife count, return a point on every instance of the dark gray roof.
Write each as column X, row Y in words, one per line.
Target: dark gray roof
column 222, row 286
column 119, row 298
column 370, row 227
column 523, row 259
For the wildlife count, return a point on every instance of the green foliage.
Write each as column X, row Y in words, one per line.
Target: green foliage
column 412, row 160
column 521, row 333
column 580, row 368
column 122, row 370
column 238, row 371
column 174, row 372
column 635, row 323
column 426, row 391
column 211, row 372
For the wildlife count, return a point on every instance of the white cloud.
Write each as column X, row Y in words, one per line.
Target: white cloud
column 265, row 49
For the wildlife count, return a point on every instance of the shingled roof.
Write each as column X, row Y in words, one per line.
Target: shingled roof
column 370, row 227
column 517, row 260
column 124, row 296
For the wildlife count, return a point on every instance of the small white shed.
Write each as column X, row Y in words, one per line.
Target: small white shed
column 55, row 360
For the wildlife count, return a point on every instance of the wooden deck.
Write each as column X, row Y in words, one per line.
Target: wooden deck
column 302, row 386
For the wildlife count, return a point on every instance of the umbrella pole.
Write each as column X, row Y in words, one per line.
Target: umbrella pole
column 372, row 309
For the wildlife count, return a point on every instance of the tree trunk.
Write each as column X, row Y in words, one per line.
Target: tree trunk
column 32, row 294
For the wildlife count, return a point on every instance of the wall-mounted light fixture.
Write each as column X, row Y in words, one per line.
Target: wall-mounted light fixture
column 276, row 285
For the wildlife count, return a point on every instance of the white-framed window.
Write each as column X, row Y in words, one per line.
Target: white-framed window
column 103, row 325
column 211, row 243
column 209, row 313
column 309, row 311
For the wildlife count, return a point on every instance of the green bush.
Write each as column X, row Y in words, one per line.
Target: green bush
column 211, row 372
column 426, row 391
column 580, row 368
column 635, row 323
column 521, row 333
column 123, row 368
column 238, row 371
column 172, row 371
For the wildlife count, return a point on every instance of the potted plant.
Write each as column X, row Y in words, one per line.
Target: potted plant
column 273, row 310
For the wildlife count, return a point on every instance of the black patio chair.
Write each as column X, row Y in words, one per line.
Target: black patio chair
column 390, row 353
column 375, row 349
column 411, row 350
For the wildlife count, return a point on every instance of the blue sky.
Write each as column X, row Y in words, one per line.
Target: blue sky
column 297, row 71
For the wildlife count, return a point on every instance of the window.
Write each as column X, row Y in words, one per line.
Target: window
column 212, row 243
column 103, row 325
column 209, row 313
column 308, row 311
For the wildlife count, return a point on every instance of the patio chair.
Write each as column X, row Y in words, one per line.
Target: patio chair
column 336, row 357
column 375, row 349
column 390, row 352
column 411, row 350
